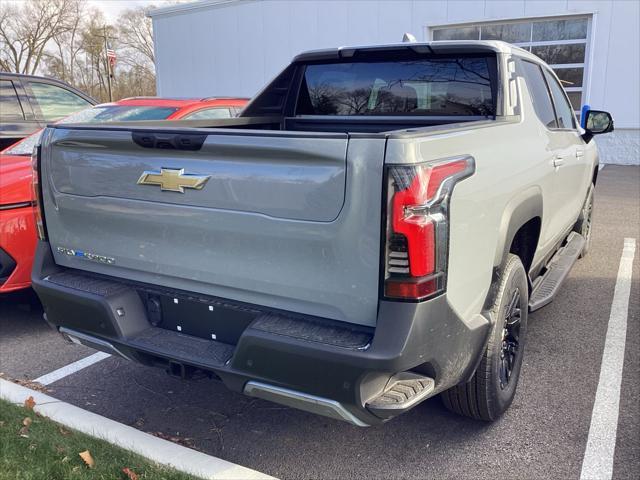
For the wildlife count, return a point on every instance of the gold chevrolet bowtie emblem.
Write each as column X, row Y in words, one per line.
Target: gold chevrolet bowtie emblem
column 173, row 180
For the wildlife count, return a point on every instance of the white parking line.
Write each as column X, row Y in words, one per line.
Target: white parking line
column 71, row 368
column 601, row 443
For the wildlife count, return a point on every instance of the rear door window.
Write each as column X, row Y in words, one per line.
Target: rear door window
column 442, row 86
column 56, row 102
column 566, row 119
column 539, row 92
column 10, row 107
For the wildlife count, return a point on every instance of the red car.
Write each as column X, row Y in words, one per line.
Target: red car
column 17, row 228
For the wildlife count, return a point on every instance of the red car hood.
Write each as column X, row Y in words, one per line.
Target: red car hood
column 15, row 179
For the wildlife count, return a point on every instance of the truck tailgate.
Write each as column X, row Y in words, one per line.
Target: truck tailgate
column 284, row 220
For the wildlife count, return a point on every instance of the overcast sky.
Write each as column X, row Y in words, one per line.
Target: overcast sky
column 112, row 8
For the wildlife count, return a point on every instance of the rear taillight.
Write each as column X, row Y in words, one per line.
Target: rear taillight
column 418, row 226
column 36, row 192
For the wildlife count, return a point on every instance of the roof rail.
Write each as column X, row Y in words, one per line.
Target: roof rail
column 225, row 98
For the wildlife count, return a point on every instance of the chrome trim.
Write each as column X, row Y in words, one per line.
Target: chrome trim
column 302, row 401
column 173, row 180
column 89, row 341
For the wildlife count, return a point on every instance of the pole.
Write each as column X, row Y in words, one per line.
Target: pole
column 106, row 47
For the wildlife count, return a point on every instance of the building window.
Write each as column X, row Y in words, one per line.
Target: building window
column 562, row 43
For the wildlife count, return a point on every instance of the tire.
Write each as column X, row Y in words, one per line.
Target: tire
column 583, row 225
column 492, row 389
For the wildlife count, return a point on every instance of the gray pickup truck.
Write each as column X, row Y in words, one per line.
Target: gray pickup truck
column 370, row 232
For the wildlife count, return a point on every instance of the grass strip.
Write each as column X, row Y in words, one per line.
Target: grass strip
column 39, row 449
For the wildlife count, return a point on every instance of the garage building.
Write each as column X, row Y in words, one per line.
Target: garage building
column 234, row 47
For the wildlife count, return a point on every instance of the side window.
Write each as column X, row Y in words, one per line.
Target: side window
column 539, row 94
column 563, row 109
column 10, row 108
column 56, row 102
column 208, row 114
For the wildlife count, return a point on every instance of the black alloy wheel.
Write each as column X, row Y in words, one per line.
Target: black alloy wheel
column 510, row 338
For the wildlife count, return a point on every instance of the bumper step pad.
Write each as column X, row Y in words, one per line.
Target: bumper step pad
column 402, row 392
column 547, row 286
column 313, row 331
column 185, row 348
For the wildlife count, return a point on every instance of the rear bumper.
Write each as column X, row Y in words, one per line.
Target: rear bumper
column 319, row 365
column 17, row 245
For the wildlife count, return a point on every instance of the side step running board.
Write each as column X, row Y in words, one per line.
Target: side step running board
column 402, row 392
column 547, row 286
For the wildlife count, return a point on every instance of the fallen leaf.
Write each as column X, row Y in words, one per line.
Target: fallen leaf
column 24, row 432
column 131, row 475
column 27, row 421
column 65, row 459
column 88, row 459
column 185, row 442
column 64, row 431
column 32, row 385
column 29, row 403
column 1, row 423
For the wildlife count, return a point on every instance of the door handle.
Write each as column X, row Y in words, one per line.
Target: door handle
column 558, row 161
column 579, row 153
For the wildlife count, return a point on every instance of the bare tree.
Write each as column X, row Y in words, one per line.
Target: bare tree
column 135, row 37
column 66, row 46
column 26, row 30
column 65, row 39
column 94, row 66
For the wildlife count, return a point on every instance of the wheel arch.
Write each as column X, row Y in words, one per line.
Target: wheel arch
column 524, row 210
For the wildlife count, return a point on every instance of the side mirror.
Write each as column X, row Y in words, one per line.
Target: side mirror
column 597, row 122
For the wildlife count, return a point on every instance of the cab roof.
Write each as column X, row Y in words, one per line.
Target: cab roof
column 180, row 102
column 436, row 47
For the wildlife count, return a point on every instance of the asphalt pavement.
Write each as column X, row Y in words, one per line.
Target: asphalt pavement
column 543, row 435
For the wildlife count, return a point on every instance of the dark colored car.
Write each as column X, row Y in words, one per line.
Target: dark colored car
column 28, row 103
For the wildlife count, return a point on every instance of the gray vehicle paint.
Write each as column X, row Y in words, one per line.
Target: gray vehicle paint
column 273, row 226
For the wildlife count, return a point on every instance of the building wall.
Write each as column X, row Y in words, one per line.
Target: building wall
column 234, row 48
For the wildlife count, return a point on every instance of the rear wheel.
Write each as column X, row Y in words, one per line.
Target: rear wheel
column 583, row 225
column 491, row 390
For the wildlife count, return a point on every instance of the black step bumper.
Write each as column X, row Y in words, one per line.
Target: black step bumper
column 327, row 367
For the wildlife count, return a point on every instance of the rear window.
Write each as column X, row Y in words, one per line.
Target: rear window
column 442, row 86
column 56, row 102
column 120, row 113
column 10, row 108
column 209, row 113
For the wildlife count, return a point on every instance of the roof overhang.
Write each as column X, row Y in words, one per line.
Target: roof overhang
column 189, row 6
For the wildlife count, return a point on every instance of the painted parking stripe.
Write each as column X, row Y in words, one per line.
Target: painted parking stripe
column 601, row 443
column 71, row 368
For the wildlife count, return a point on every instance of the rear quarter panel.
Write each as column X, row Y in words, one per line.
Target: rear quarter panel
column 514, row 165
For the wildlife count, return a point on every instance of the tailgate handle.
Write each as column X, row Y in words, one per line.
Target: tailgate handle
column 169, row 141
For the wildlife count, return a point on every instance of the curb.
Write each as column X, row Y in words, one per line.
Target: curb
column 156, row 449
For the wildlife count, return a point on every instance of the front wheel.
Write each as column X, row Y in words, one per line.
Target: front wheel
column 583, row 225
column 491, row 390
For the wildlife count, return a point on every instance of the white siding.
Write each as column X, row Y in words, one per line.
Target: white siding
column 236, row 47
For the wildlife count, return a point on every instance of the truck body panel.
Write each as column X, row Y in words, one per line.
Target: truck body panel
column 272, row 226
